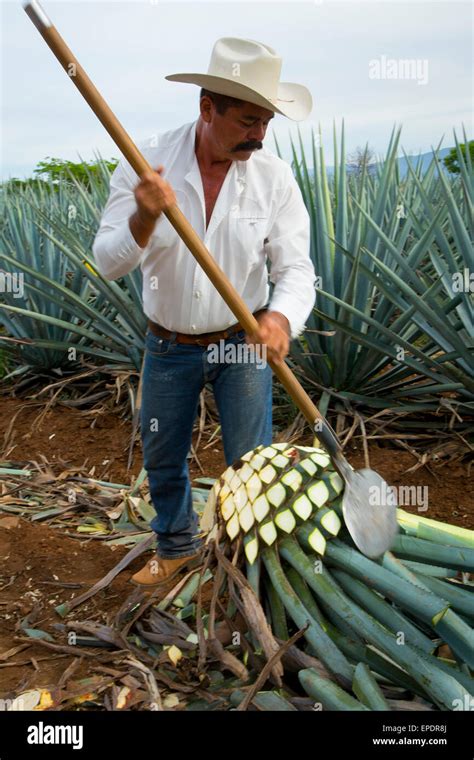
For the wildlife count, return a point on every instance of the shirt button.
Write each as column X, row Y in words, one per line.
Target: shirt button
column 193, row 328
column 197, row 294
column 235, row 208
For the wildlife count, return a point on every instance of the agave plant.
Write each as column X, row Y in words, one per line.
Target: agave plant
column 64, row 303
column 389, row 328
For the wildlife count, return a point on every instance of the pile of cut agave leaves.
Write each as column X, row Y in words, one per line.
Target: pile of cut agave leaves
column 399, row 624
column 320, row 625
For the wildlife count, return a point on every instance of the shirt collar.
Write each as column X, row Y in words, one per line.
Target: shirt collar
column 235, row 180
column 194, row 175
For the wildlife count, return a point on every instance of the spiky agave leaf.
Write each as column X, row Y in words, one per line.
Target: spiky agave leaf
column 388, row 282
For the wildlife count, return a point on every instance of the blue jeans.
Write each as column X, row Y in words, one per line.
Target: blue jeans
column 173, row 378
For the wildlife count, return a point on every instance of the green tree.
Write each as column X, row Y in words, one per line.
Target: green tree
column 60, row 170
column 451, row 160
column 19, row 184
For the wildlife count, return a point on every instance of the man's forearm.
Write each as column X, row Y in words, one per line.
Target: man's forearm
column 141, row 228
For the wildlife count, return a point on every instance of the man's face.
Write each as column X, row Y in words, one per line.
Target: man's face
column 240, row 131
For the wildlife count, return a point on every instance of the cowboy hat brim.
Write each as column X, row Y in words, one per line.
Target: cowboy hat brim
column 293, row 100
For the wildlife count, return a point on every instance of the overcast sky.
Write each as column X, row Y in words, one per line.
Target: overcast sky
column 334, row 48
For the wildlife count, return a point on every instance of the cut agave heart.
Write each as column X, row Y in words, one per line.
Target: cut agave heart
column 275, row 489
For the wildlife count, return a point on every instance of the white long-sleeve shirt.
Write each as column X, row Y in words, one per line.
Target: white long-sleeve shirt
column 259, row 213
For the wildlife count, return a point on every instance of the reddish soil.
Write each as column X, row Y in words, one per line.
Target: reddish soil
column 35, row 557
column 66, row 435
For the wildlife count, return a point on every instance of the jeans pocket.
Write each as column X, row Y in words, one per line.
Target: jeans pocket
column 156, row 346
column 238, row 337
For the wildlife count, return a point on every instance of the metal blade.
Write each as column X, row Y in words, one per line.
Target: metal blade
column 370, row 512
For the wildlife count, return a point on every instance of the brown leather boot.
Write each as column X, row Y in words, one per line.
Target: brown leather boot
column 158, row 570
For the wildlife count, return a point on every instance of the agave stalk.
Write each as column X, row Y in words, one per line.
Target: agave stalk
column 353, row 614
column 407, row 547
column 434, row 530
column 324, row 647
column 433, row 570
column 301, row 589
column 455, row 631
column 367, row 690
column 384, row 612
column 378, row 664
column 277, row 613
column 460, row 600
column 329, row 694
column 413, row 595
column 443, row 688
column 265, row 701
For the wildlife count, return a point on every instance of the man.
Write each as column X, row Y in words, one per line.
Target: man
column 244, row 202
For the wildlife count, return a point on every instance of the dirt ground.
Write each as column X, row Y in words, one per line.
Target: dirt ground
column 66, row 435
column 36, row 561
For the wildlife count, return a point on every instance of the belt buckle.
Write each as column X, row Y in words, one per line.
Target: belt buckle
column 212, row 338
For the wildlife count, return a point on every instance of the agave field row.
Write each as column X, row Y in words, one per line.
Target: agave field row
column 393, row 322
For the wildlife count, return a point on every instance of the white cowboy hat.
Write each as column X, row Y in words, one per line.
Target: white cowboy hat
column 250, row 71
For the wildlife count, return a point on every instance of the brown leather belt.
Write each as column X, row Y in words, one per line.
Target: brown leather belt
column 202, row 339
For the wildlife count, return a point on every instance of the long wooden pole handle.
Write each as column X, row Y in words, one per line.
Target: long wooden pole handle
column 184, row 229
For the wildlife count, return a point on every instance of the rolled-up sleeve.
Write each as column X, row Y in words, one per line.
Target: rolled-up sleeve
column 288, row 249
column 115, row 250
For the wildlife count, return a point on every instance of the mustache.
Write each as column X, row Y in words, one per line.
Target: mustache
column 250, row 145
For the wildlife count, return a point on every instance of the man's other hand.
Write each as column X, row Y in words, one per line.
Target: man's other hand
column 274, row 333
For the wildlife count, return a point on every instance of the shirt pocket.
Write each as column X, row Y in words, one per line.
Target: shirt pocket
column 248, row 227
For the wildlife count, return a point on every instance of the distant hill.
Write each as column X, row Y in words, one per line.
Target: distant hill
column 426, row 159
column 403, row 162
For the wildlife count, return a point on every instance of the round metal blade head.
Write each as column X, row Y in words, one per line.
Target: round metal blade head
column 370, row 512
